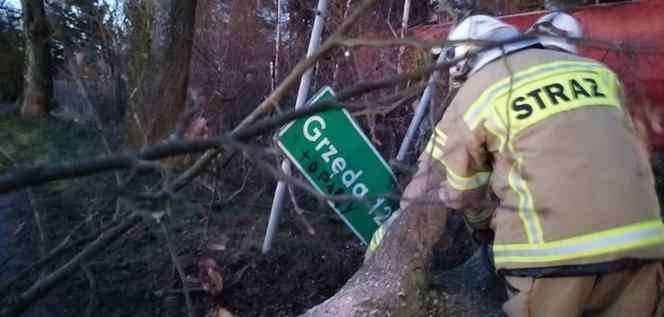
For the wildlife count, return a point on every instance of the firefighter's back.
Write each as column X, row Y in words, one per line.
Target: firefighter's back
column 575, row 185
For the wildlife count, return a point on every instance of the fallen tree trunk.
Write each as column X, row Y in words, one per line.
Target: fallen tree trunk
column 394, row 281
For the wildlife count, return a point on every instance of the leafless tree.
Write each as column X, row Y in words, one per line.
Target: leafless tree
column 162, row 43
column 38, row 87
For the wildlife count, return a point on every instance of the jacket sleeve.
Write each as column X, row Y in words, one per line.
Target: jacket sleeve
column 465, row 159
column 428, row 176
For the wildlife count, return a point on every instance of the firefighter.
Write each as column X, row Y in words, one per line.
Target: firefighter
column 557, row 31
column 577, row 228
column 426, row 176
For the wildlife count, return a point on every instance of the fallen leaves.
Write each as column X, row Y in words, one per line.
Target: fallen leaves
column 217, row 246
column 221, row 312
column 210, row 276
column 218, row 243
column 197, row 129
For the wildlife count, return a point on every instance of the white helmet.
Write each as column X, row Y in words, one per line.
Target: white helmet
column 480, row 27
column 560, row 26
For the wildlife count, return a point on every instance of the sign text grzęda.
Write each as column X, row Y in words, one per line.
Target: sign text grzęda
column 335, row 156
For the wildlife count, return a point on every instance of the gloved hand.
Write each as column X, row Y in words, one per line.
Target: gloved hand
column 479, row 220
column 483, row 237
column 480, row 225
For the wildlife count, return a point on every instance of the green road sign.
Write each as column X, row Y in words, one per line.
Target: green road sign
column 337, row 158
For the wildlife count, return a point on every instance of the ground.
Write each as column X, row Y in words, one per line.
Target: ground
column 136, row 277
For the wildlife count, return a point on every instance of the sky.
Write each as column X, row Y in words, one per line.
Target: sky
column 15, row 3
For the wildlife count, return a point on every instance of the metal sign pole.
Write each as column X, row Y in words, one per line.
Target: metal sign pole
column 302, row 94
column 420, row 111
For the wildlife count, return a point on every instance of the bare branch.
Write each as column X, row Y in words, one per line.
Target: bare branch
column 275, row 97
column 47, row 282
column 300, row 211
column 65, row 245
column 89, row 309
column 44, row 173
column 388, row 42
column 39, row 224
column 137, row 160
column 178, row 267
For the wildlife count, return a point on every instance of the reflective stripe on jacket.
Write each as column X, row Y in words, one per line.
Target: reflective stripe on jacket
column 547, row 132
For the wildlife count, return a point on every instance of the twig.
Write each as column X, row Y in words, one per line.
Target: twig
column 89, row 310
column 44, row 173
column 39, row 223
column 393, row 101
column 360, row 88
column 137, row 160
column 275, row 97
column 47, row 282
column 178, row 267
column 65, row 245
column 177, row 291
column 300, row 211
column 239, row 190
column 208, row 211
column 404, row 27
column 78, row 80
column 35, row 211
column 237, row 278
column 210, row 188
column 277, row 48
column 250, row 152
column 5, row 260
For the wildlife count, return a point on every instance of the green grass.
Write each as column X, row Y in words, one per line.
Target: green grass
column 29, row 142
column 47, row 139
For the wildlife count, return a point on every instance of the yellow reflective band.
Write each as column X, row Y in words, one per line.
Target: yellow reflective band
column 478, row 110
column 526, row 208
column 483, row 216
column 614, row 84
column 497, row 129
column 436, row 145
column 619, row 239
column 376, row 239
column 440, row 135
column 462, row 183
column 435, row 150
column 548, row 95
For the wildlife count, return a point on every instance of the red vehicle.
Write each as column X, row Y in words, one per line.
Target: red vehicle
column 637, row 26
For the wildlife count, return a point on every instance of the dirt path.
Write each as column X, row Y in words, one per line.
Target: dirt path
column 6, row 107
column 14, row 256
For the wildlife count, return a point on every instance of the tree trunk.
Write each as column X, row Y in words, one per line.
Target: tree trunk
column 550, row 5
column 38, row 88
column 164, row 33
column 394, row 281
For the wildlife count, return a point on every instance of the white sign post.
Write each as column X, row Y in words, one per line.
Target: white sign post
column 422, row 107
column 302, row 94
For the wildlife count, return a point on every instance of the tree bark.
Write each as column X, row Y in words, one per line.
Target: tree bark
column 38, row 88
column 394, row 281
column 165, row 33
